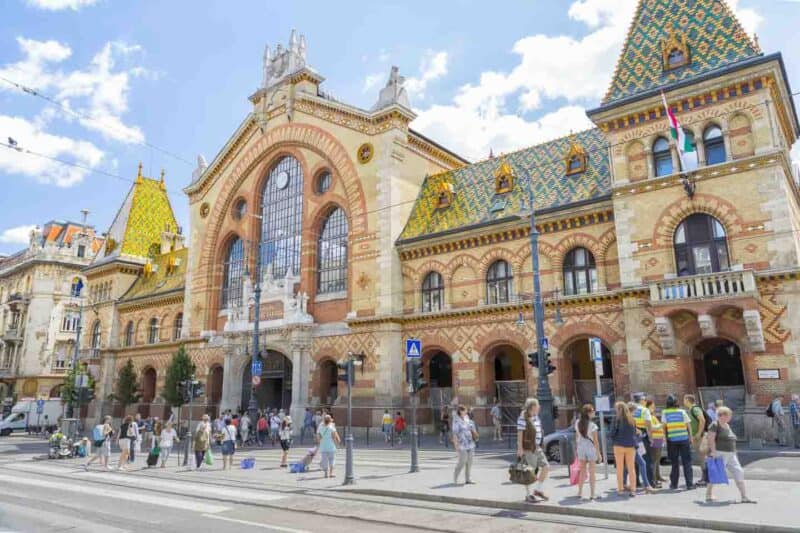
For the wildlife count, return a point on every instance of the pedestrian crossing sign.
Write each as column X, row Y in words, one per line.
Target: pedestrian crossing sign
column 413, row 348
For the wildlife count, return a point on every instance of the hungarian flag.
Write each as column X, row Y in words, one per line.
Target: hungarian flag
column 686, row 149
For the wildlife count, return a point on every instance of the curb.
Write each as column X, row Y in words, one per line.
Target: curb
column 695, row 523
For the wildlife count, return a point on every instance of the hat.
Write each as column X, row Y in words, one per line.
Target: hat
column 288, row 419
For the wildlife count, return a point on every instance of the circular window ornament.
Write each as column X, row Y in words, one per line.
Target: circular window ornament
column 323, row 182
column 282, row 179
column 205, row 209
column 239, row 209
column 365, row 153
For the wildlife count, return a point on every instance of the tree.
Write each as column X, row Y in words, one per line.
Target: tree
column 127, row 389
column 180, row 369
column 69, row 397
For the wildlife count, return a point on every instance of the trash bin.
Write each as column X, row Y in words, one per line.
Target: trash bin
column 567, row 451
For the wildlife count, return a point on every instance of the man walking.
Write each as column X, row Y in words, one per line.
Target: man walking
column 529, row 447
column 136, row 439
column 778, row 421
column 677, row 424
column 698, row 428
column 497, row 421
column 794, row 418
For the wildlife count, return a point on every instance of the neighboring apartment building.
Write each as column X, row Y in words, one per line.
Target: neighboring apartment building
column 41, row 293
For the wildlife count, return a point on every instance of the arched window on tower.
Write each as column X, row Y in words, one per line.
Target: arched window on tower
column 129, row 334
column 714, row 145
column 332, row 253
column 700, row 246
column 580, row 272
column 232, row 275
column 499, row 281
column 96, row 332
column 177, row 327
column 281, row 218
column 152, row 331
column 662, row 157
column 432, row 292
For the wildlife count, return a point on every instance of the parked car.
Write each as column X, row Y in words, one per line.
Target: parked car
column 552, row 443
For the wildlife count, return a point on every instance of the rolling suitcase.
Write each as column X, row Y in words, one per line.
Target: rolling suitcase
column 152, row 457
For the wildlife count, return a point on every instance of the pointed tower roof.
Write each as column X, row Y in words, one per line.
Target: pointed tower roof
column 710, row 30
column 145, row 214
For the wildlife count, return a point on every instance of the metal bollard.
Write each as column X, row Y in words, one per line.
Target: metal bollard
column 567, row 452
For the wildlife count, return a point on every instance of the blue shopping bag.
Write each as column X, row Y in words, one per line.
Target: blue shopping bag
column 716, row 471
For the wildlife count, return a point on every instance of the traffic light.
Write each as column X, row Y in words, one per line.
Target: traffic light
column 549, row 364
column 73, row 396
column 533, row 359
column 183, row 389
column 88, row 394
column 346, row 367
column 415, row 375
column 198, row 389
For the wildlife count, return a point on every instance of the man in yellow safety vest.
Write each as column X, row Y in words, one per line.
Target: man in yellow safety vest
column 644, row 423
column 678, row 427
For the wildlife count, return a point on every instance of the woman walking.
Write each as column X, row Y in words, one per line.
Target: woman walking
column 588, row 450
column 202, row 441
column 657, row 443
column 529, row 448
column 126, row 433
column 167, row 440
column 386, row 426
column 464, row 443
column 228, row 444
column 101, row 434
column 327, row 438
column 623, row 437
column 722, row 444
column 285, row 435
column 446, row 426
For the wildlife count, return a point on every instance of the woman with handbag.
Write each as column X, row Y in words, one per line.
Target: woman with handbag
column 228, row 444
column 529, row 448
column 126, row 433
column 588, row 450
column 464, row 433
column 722, row 450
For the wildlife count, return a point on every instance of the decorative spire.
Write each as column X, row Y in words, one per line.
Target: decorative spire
column 139, row 178
column 491, row 153
column 162, row 184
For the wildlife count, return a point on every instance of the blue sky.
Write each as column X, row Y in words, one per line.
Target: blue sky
column 176, row 75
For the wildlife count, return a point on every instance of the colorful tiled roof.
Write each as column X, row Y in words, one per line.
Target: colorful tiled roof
column 161, row 278
column 475, row 200
column 714, row 35
column 144, row 215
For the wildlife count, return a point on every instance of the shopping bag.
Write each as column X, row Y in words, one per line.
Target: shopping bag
column 521, row 473
column 574, row 472
column 716, row 471
column 209, row 458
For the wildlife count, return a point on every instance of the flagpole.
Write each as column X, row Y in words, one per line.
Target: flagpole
column 674, row 140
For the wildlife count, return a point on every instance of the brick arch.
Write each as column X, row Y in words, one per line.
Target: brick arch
column 604, row 243
column 570, row 242
column 433, row 343
column 430, row 266
column 523, row 253
column 462, row 260
column 504, row 336
column 495, row 254
column 321, row 213
column 673, row 214
column 572, row 331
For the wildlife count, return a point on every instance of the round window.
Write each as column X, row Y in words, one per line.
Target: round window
column 324, row 182
column 240, row 209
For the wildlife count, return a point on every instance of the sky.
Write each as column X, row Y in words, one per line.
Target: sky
column 123, row 82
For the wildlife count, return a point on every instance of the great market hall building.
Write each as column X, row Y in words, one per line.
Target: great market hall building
column 361, row 233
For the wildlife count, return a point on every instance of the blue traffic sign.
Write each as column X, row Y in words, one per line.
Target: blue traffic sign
column 39, row 407
column 596, row 349
column 257, row 367
column 413, row 348
column 545, row 344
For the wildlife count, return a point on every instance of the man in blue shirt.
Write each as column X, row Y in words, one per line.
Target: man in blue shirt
column 794, row 418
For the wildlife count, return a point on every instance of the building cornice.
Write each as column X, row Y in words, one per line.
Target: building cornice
column 173, row 296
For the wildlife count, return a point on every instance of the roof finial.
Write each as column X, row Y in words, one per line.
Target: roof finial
column 755, row 38
column 139, row 175
column 163, row 185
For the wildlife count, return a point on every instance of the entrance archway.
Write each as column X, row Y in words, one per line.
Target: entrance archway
column 579, row 380
column 328, row 382
column 275, row 389
column 509, row 386
column 148, row 385
column 718, row 363
column 214, row 388
column 440, row 371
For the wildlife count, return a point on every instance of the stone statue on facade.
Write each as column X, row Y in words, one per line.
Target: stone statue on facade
column 284, row 61
column 201, row 167
column 394, row 92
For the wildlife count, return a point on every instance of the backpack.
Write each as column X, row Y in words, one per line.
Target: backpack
column 706, row 419
column 97, row 433
column 262, row 424
column 770, row 413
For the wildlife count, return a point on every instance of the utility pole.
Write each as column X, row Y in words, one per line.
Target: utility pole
column 70, row 407
column 543, row 392
column 349, row 366
column 252, row 405
column 414, row 375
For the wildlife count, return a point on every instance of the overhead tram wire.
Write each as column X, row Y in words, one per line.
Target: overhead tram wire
column 35, row 92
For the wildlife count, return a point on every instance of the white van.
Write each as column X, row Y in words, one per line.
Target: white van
column 24, row 414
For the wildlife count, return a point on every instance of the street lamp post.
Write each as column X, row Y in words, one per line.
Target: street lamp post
column 70, row 407
column 543, row 392
column 252, row 405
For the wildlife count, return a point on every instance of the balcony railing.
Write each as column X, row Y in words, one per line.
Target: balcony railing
column 89, row 353
column 716, row 285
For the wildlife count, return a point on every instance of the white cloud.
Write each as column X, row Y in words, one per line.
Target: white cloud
column 17, row 235
column 494, row 112
column 30, row 136
column 58, row 5
column 98, row 92
column 750, row 18
column 371, row 81
column 432, row 66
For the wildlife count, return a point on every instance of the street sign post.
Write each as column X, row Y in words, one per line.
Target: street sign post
column 256, row 381
column 545, row 344
column 39, row 407
column 596, row 353
column 257, row 367
column 413, row 348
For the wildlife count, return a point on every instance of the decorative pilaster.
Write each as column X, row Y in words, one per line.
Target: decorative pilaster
column 666, row 335
column 755, row 333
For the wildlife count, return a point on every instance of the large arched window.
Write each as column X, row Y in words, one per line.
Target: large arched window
column 177, row 327
column 499, row 283
column 662, row 157
column 152, row 331
column 432, row 292
column 332, row 253
column 129, row 334
column 232, row 280
column 96, row 332
column 580, row 273
column 282, row 215
column 700, row 246
column 714, row 145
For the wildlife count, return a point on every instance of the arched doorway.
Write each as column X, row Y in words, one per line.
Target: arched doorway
column 579, row 376
column 275, row 389
column 509, row 386
column 148, row 385
column 440, row 371
column 55, row 392
column 719, row 375
column 328, row 382
column 214, row 389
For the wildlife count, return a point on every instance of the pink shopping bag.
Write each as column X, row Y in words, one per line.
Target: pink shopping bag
column 574, row 472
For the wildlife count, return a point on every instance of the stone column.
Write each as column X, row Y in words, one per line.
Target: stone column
column 301, row 374
column 231, row 380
